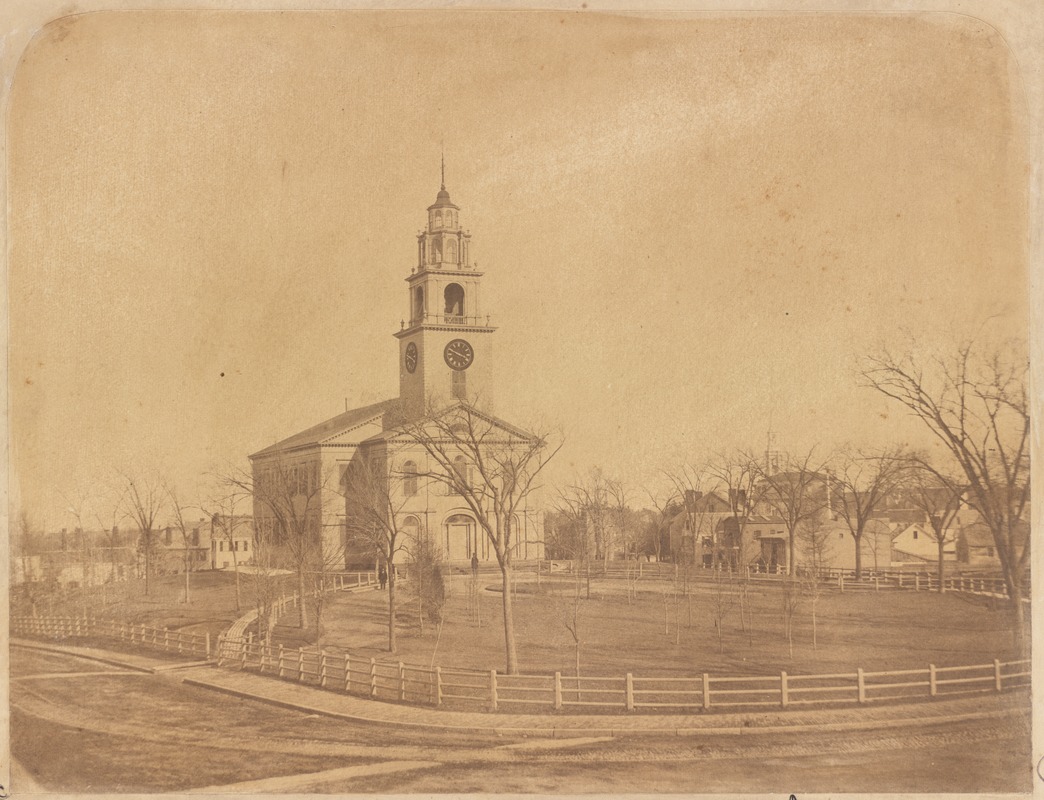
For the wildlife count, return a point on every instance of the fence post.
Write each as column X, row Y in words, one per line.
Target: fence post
column 438, row 686
column 220, row 647
column 861, row 684
column 300, row 665
column 243, row 652
column 917, row 583
column 706, row 691
column 492, row 690
column 997, row 674
column 877, row 584
column 322, row 668
column 280, row 662
column 558, row 691
column 207, row 642
column 932, row 687
column 347, row 674
column 402, row 681
column 629, row 692
column 784, row 695
column 841, row 582
column 900, row 580
column 373, row 677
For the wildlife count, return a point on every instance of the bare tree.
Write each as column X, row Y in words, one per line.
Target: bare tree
column 790, row 601
column 145, row 498
column 290, row 495
column 494, row 470
column 178, row 513
column 739, row 476
column 975, row 401
column 723, row 600
column 112, row 500
column 665, row 505
column 817, row 546
column 938, row 495
column 860, row 485
column 227, row 521
column 374, row 498
column 797, row 495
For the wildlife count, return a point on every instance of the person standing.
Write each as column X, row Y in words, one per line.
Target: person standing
column 474, row 565
column 382, row 576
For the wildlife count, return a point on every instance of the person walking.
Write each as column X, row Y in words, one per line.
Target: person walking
column 474, row 565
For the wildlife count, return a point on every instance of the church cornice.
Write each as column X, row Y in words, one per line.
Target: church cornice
column 454, row 328
column 418, row 274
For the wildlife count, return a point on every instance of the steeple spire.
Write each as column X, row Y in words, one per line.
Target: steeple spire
column 443, row 186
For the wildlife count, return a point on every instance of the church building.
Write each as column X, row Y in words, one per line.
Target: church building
column 445, row 361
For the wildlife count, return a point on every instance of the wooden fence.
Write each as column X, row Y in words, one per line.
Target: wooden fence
column 467, row 689
column 841, row 579
column 60, row 628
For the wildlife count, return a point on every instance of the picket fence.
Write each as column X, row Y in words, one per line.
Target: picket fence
column 60, row 628
column 468, row 689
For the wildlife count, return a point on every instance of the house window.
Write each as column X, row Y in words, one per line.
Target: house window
column 409, row 479
column 246, row 546
column 915, row 534
column 840, row 534
column 221, row 547
column 757, row 534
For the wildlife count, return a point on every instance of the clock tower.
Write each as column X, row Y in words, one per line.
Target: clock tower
column 445, row 347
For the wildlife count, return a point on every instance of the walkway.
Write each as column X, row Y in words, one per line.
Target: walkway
column 312, row 700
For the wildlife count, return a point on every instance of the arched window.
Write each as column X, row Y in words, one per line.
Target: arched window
column 409, row 479
column 460, row 467
column 411, row 527
column 454, row 296
column 451, row 250
column 438, row 219
column 418, row 304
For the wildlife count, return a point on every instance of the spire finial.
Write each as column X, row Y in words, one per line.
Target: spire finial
column 443, row 187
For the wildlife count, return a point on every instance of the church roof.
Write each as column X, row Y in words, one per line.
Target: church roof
column 442, row 200
column 331, row 427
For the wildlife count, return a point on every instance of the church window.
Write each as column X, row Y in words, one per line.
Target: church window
column 409, row 479
column 454, row 296
column 460, row 385
column 437, row 255
column 451, row 251
column 460, row 468
column 438, row 219
column 411, row 526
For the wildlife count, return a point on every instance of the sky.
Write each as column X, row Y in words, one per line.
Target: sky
column 691, row 226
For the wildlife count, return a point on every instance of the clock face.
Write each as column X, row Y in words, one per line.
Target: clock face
column 411, row 357
column 459, row 354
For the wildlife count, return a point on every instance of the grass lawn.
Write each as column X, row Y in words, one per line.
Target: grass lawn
column 873, row 630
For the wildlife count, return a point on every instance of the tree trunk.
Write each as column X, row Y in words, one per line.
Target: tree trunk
column 148, row 565
column 187, row 598
column 391, row 606
column 942, row 544
column 235, row 569
column 509, row 622
column 1018, row 614
column 302, row 601
column 790, row 550
column 858, row 555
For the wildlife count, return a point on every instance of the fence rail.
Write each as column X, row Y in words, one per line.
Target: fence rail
column 471, row 689
column 476, row 689
column 60, row 628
